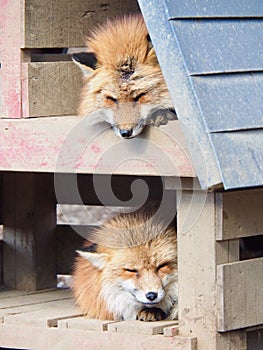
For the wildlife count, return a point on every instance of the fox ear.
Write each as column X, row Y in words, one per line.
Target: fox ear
column 86, row 61
column 99, row 260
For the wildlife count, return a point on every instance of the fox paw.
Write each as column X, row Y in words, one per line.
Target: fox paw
column 151, row 314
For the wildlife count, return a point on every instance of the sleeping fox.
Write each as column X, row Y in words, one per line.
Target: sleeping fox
column 123, row 82
column 130, row 273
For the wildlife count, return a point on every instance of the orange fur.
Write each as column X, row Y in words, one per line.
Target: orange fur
column 133, row 256
column 127, row 86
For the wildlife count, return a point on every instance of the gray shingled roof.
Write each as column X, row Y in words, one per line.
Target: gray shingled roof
column 211, row 55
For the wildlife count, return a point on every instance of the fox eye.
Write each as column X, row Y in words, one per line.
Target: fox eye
column 162, row 266
column 111, row 99
column 131, row 270
column 138, row 97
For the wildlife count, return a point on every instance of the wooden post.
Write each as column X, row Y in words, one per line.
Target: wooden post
column 197, row 268
column 198, row 256
column 29, row 231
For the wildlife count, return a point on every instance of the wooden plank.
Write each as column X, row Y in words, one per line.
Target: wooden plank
column 240, row 214
column 213, row 46
column 213, row 8
column 70, row 145
column 50, row 88
column 46, row 315
column 14, row 299
column 187, row 107
column 230, row 101
column 139, row 327
column 240, row 294
column 29, row 231
column 240, row 157
column 66, row 23
column 44, row 338
column 83, row 323
column 10, row 41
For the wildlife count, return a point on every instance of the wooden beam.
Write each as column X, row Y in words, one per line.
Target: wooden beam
column 29, row 231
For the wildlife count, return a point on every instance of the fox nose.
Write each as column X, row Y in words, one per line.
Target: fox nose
column 126, row 133
column 151, row 296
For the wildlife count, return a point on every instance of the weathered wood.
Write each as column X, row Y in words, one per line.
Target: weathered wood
column 44, row 338
column 174, row 69
column 235, row 49
column 213, row 8
column 240, row 294
column 239, row 214
column 240, row 157
column 236, row 100
column 10, row 34
column 46, row 315
column 70, row 145
column 50, row 88
column 29, row 231
column 139, row 327
column 197, row 268
column 67, row 23
column 83, row 323
column 13, row 299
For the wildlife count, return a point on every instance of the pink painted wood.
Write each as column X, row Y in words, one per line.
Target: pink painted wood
column 69, row 144
column 10, row 43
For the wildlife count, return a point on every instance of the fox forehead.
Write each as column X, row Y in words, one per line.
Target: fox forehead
column 143, row 257
column 113, row 82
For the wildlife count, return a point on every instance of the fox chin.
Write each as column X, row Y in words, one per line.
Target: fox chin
column 130, row 273
column 123, row 82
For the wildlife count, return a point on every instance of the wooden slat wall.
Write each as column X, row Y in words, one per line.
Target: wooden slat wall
column 240, row 214
column 50, row 88
column 66, row 23
column 240, row 294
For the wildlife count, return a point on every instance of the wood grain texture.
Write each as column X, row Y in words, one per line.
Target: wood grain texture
column 44, row 338
column 138, row 327
column 71, row 145
column 49, row 320
column 29, row 231
column 50, row 88
column 10, row 41
column 240, row 294
column 240, row 214
column 197, row 268
column 67, row 23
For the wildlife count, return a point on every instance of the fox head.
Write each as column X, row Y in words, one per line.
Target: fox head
column 123, row 82
column 137, row 275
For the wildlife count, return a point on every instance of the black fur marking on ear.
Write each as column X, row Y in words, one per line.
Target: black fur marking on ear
column 90, row 249
column 87, row 58
column 150, row 45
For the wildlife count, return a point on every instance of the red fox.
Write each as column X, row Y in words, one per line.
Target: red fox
column 123, row 82
column 130, row 273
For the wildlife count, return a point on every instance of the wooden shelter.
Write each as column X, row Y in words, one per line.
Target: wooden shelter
column 207, row 164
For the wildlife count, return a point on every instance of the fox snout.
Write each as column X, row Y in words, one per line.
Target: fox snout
column 128, row 132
